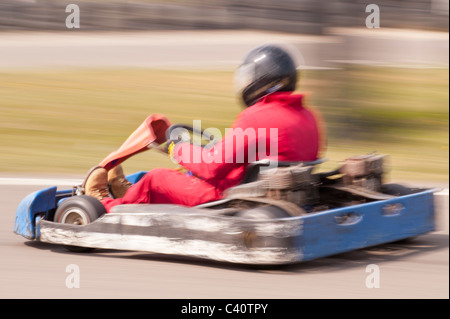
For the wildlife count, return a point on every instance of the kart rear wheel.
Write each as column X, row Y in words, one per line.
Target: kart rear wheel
column 79, row 210
column 398, row 190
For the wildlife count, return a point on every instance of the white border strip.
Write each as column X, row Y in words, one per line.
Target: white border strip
column 14, row 181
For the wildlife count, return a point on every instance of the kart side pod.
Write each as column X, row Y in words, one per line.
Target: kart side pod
column 194, row 232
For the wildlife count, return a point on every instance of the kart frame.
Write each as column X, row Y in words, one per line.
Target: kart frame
column 218, row 234
column 227, row 231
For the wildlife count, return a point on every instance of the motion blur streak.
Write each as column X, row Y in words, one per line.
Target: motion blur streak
column 71, row 96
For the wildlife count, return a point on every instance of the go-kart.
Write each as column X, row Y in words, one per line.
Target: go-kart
column 278, row 215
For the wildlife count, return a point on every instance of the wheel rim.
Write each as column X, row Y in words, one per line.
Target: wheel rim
column 74, row 216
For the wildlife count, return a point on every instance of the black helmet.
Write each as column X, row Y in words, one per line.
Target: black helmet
column 266, row 69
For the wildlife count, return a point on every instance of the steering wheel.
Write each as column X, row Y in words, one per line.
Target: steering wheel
column 187, row 133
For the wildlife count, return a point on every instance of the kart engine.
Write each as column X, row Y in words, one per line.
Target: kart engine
column 365, row 171
column 357, row 180
column 295, row 184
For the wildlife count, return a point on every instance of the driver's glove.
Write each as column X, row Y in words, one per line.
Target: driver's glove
column 169, row 145
column 170, row 149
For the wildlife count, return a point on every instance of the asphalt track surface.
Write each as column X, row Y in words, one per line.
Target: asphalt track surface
column 218, row 49
column 414, row 269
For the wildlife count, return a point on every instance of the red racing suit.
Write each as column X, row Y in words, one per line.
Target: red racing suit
column 278, row 127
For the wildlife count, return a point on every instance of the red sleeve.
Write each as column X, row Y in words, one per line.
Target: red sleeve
column 217, row 162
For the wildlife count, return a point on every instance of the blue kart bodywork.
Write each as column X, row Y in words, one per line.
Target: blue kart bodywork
column 296, row 239
column 31, row 208
column 41, row 203
column 350, row 228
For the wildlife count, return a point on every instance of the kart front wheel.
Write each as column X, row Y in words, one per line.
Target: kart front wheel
column 79, row 210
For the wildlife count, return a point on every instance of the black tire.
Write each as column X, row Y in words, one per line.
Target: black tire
column 263, row 212
column 79, row 210
column 250, row 238
column 398, row 190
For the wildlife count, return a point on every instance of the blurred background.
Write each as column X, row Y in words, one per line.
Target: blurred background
column 69, row 97
column 293, row 16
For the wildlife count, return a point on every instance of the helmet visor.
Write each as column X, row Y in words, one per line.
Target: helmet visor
column 243, row 77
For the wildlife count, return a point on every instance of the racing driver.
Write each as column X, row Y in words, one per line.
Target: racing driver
column 266, row 82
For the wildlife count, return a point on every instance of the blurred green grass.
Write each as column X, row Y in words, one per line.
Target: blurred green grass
column 67, row 121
